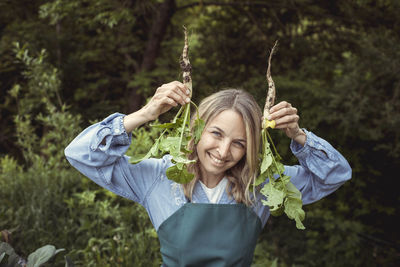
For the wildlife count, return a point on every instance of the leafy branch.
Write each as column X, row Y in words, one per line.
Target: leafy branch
column 281, row 195
column 176, row 136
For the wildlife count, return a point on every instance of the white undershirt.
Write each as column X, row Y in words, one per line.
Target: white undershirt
column 215, row 194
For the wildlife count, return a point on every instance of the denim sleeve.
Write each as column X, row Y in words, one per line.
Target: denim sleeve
column 322, row 168
column 98, row 153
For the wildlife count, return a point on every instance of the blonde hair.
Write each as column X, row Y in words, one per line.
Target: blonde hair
column 243, row 174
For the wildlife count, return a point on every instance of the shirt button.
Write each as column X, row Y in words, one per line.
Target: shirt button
column 117, row 131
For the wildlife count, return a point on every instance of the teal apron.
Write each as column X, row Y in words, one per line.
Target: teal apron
column 209, row 235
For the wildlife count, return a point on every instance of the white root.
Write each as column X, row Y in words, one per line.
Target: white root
column 271, row 93
column 185, row 64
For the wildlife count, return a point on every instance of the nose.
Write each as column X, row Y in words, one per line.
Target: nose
column 224, row 149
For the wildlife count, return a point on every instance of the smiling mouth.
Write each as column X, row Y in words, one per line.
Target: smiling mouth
column 215, row 160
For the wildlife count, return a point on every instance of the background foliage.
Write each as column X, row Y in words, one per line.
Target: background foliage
column 78, row 61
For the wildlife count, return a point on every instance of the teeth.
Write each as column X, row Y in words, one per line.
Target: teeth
column 218, row 161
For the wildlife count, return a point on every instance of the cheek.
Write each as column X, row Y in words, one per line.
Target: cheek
column 238, row 155
column 201, row 147
column 204, row 142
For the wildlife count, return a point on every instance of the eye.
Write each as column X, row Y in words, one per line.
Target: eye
column 216, row 133
column 239, row 144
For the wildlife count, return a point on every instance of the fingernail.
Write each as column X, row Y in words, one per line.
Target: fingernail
column 187, row 91
column 187, row 99
column 269, row 117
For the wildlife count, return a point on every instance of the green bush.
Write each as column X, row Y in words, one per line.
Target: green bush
column 44, row 200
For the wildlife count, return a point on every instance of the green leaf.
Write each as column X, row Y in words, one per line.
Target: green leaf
column 260, row 179
column 199, row 125
column 267, row 159
column 285, row 179
column 293, row 205
column 170, row 145
column 282, row 180
column 42, row 255
column 278, row 167
column 180, row 176
column 152, row 152
column 274, row 196
column 292, row 190
column 181, row 159
column 293, row 209
column 180, row 166
column 154, row 149
column 138, row 158
column 277, row 212
column 167, row 125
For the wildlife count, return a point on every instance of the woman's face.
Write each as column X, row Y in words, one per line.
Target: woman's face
column 222, row 144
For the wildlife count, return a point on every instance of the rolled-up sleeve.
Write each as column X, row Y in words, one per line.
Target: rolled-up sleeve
column 98, row 152
column 322, row 168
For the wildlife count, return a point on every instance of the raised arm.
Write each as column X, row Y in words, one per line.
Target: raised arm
column 322, row 168
column 99, row 151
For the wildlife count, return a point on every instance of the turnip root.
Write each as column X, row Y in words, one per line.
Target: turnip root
column 271, row 93
column 185, row 64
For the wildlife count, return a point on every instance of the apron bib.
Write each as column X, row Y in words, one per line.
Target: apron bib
column 209, row 235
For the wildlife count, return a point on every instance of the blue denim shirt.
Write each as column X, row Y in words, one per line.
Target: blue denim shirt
column 322, row 170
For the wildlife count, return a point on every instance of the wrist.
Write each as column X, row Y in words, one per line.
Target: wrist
column 136, row 119
column 300, row 137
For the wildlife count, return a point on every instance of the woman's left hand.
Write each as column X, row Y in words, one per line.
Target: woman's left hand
column 286, row 118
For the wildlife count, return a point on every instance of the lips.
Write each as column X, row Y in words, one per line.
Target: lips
column 215, row 160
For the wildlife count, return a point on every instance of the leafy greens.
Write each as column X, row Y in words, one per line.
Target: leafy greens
column 281, row 195
column 174, row 141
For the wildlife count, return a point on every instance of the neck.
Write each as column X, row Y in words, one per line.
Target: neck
column 211, row 182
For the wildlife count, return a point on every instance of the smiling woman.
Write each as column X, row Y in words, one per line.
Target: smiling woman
column 221, row 146
column 214, row 220
column 229, row 144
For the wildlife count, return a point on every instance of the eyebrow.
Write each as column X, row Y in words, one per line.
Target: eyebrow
column 219, row 129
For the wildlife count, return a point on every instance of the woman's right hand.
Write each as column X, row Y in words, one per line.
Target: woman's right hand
column 167, row 96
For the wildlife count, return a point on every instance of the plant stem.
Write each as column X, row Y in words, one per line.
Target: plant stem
column 274, row 162
column 177, row 114
column 186, row 114
column 197, row 109
column 276, row 152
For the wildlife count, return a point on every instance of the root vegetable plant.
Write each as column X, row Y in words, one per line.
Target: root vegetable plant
column 176, row 134
column 281, row 195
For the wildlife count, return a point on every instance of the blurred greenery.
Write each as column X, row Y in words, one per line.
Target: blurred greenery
column 65, row 64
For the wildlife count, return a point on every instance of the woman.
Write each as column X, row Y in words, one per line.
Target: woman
column 191, row 231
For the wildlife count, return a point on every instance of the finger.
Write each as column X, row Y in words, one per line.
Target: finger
column 167, row 101
column 287, row 119
column 177, row 97
column 168, row 86
column 181, row 87
column 183, row 92
column 176, row 83
column 282, row 112
column 293, row 125
column 280, row 105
